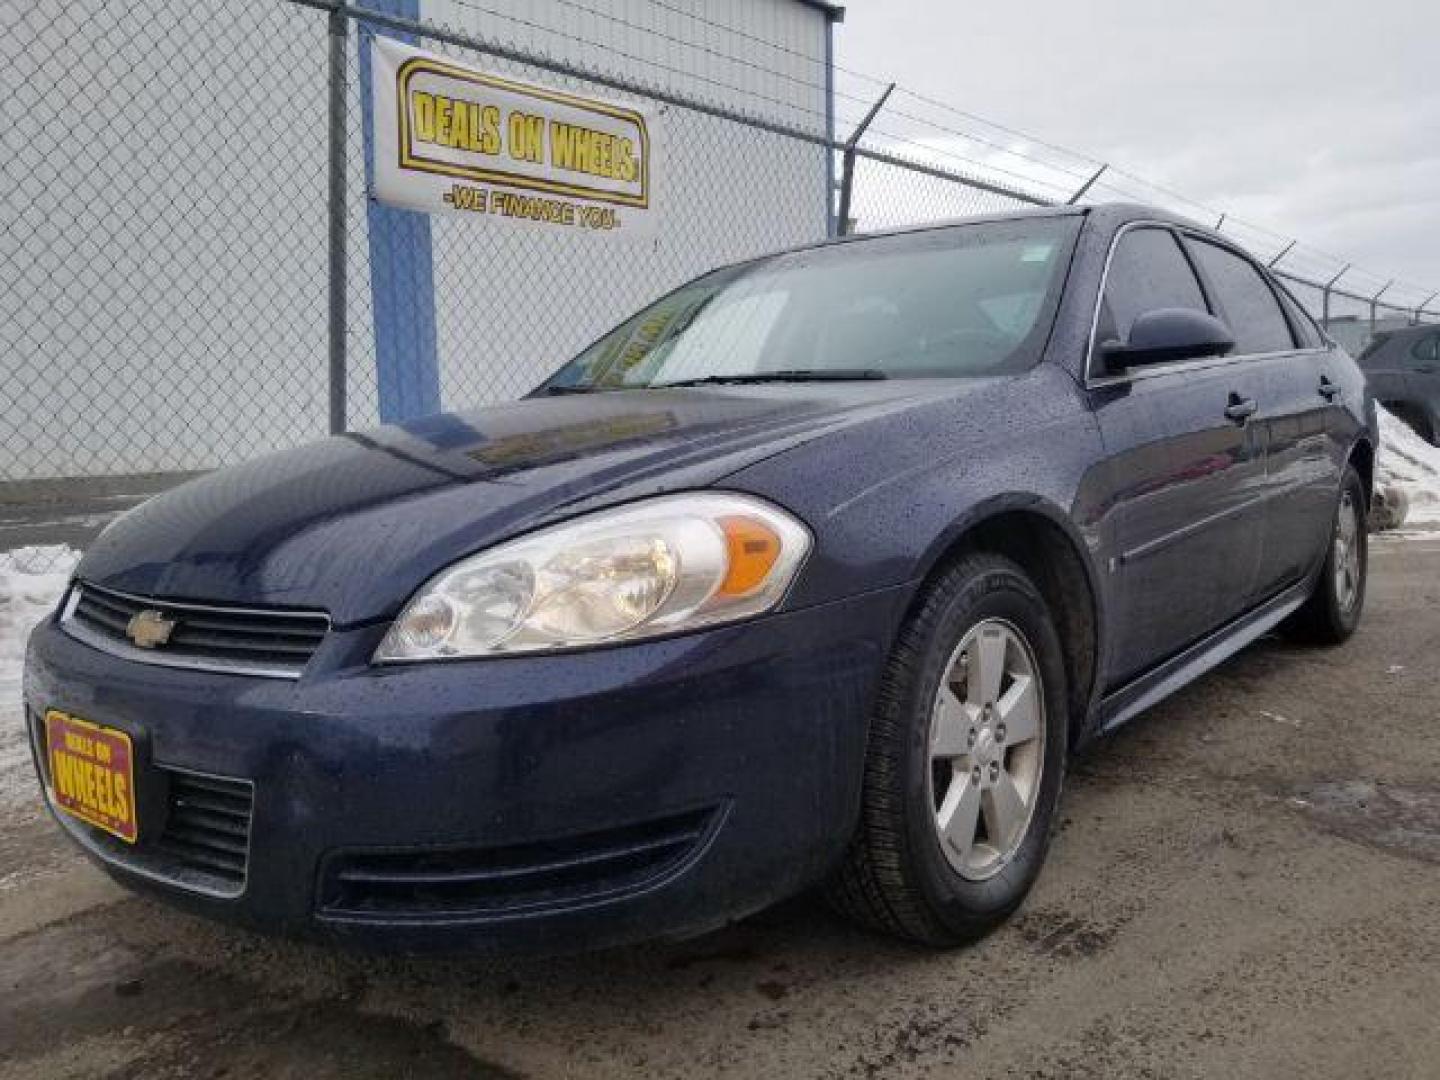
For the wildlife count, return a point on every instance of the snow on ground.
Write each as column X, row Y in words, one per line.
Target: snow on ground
column 1411, row 464
column 31, row 581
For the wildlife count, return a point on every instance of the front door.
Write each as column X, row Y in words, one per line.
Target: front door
column 1186, row 533
column 1182, row 515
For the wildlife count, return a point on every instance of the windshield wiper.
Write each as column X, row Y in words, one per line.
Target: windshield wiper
column 576, row 389
column 795, row 375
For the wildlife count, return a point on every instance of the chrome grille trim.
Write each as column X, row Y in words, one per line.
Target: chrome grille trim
column 208, row 614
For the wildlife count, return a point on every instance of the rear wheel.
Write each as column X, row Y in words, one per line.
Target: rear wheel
column 965, row 761
column 1332, row 613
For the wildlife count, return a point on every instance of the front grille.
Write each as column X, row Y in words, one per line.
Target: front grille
column 480, row 882
column 207, row 828
column 250, row 641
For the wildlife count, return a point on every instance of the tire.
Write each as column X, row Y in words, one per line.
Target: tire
column 898, row 875
column 1333, row 610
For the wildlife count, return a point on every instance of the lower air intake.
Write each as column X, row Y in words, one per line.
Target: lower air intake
column 482, row 882
column 207, row 831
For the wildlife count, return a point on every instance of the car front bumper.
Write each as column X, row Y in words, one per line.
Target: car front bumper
column 528, row 804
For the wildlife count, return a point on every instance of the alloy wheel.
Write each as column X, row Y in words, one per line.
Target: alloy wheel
column 987, row 749
column 1347, row 553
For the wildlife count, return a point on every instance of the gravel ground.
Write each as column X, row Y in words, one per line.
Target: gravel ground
column 1246, row 884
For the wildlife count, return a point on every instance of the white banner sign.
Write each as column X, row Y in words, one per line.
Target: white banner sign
column 449, row 137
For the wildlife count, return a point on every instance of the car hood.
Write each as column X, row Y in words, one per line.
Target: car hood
column 354, row 523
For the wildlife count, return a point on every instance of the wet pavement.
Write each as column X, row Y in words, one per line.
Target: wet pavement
column 1246, row 883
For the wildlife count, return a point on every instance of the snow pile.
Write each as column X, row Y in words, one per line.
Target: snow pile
column 1411, row 464
column 31, row 582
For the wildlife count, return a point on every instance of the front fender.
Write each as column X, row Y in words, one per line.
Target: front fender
column 887, row 498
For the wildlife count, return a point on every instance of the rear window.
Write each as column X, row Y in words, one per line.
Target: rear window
column 1246, row 301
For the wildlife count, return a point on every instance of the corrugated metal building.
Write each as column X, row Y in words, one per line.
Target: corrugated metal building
column 163, row 260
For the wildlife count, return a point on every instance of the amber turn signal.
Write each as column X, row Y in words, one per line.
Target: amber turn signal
column 752, row 548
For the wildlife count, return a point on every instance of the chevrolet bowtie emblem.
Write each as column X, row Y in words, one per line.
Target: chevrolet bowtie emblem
column 149, row 628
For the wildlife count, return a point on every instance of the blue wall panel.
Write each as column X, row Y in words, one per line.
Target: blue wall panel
column 402, row 270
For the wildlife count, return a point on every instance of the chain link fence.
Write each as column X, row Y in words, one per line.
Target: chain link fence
column 167, row 281
column 155, row 199
column 181, row 288
column 511, row 306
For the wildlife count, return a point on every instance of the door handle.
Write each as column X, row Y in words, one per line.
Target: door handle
column 1328, row 390
column 1241, row 409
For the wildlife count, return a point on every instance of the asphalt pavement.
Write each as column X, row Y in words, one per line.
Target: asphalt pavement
column 1246, row 883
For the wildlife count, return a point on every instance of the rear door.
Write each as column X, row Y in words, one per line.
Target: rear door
column 1300, row 425
column 1185, row 450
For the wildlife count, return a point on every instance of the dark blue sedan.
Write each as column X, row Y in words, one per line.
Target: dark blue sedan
column 813, row 572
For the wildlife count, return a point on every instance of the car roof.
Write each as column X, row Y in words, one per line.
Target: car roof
column 1108, row 216
column 1113, row 215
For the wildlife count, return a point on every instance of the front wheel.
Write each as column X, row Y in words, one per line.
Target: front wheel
column 965, row 761
column 1332, row 613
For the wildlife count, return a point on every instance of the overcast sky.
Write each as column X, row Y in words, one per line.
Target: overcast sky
column 1317, row 118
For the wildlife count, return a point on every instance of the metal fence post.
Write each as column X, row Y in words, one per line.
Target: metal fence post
column 339, row 42
column 1375, row 302
column 1325, row 295
column 1420, row 307
column 847, row 173
column 1083, row 188
column 1283, row 252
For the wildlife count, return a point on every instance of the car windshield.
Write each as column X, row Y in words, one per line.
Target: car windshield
column 967, row 301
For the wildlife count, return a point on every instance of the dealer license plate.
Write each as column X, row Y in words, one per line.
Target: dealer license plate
column 92, row 773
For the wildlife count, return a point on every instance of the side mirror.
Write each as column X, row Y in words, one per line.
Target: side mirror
column 1167, row 335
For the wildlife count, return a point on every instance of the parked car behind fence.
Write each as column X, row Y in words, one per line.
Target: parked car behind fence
column 1403, row 368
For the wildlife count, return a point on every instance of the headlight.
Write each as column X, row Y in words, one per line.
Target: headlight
column 661, row 566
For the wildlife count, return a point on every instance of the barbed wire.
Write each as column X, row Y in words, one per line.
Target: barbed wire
column 995, row 125
column 987, row 167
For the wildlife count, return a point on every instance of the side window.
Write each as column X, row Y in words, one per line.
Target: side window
column 1306, row 331
column 1425, row 352
column 1246, row 300
column 1148, row 271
